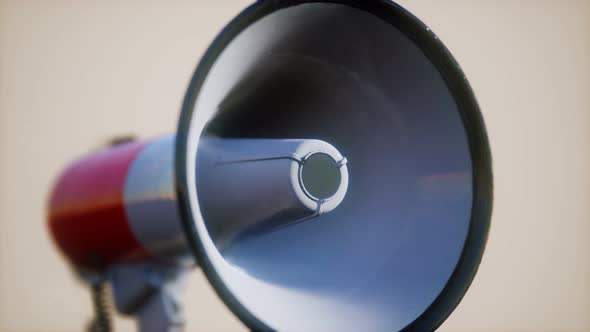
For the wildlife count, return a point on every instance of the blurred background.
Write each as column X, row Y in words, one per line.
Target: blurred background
column 73, row 74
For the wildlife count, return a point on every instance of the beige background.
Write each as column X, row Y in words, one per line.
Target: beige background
column 75, row 73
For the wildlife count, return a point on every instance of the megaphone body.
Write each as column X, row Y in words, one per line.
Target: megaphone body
column 119, row 206
column 91, row 212
column 330, row 162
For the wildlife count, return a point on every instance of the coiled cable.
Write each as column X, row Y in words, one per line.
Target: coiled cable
column 100, row 300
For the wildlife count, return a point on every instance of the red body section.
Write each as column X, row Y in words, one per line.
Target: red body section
column 87, row 210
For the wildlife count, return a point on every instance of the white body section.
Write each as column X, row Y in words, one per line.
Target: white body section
column 151, row 205
column 247, row 186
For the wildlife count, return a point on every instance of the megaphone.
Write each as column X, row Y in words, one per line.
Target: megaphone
column 330, row 172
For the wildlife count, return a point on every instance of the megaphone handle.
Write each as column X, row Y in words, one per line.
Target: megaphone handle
column 151, row 293
column 161, row 313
